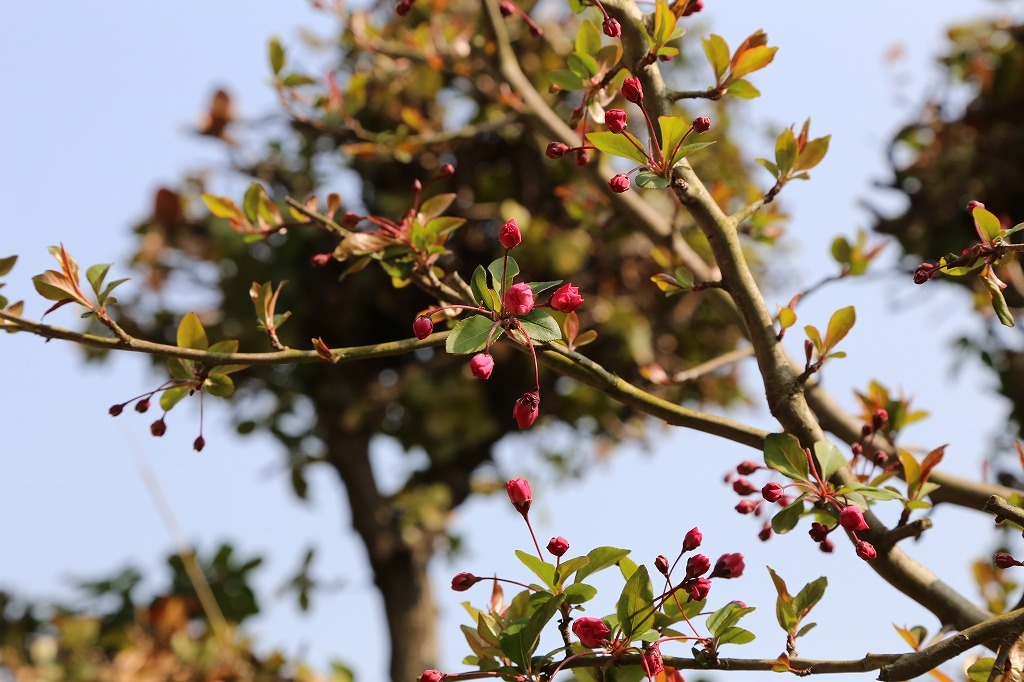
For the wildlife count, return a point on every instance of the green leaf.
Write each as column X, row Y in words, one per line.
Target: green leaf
column 7, row 264
column 219, row 385
column 648, row 180
column 540, row 325
column 809, row 595
column 783, row 453
column 578, row 593
column 583, row 65
column 812, row 154
column 222, row 207
column 172, row 397
column 684, row 278
column 815, row 336
column 688, row 149
column 736, row 635
column 635, row 608
column 690, row 608
column 600, row 559
column 55, row 286
column 673, row 130
column 435, row 206
column 511, row 639
column 182, row 370
column 986, row 224
column 742, row 89
column 541, row 617
column 981, row 670
column 251, row 201
column 787, row 318
column 664, row 22
column 95, row 275
column 726, row 617
column 784, row 611
column 470, row 335
column 805, row 629
column 566, row 79
column 191, row 333
column 752, row 59
column 511, row 270
column 567, row 568
column 542, row 569
column 998, row 302
column 840, row 325
column 276, row 54
column 627, row 567
column 618, row 144
column 785, row 151
column 294, row 80
column 226, row 346
column 830, row 459
column 104, row 295
column 588, row 38
column 717, row 52
column 540, row 287
column 483, row 293
column 786, row 520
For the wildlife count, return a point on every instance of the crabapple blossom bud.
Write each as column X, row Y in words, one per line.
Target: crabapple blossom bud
column 632, row 90
column 881, row 458
column 652, row 663
column 766, row 532
column 698, row 589
column 619, row 183
column 351, row 219
column 865, row 430
column 509, row 235
column 158, row 428
column 865, row 550
column 697, row 565
column 746, row 506
column 519, row 299
column 612, row 28
column 198, row 444
column 422, row 327
column 694, row 7
column 1004, row 560
column 924, row 272
column 785, row 501
column 403, row 8
column 519, row 494
column 506, row 8
column 818, row 532
column 702, row 124
column 826, row 546
column 319, row 260
column 556, row 150
column 692, row 540
column 661, row 563
column 558, row 545
column 432, row 676
column 446, row 171
column 665, row 57
column 772, row 491
column 566, row 298
column 482, row 365
column 115, row 410
column 857, row 449
column 729, row 566
column 593, row 632
column 747, row 467
column 526, row 409
column 743, row 487
column 615, row 120
column 852, row 519
column 464, row 581
column 879, row 418
column 142, row 406
column 582, row 157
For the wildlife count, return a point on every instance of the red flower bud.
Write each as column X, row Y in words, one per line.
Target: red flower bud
column 661, row 563
column 818, row 531
column 198, row 444
column 519, row 299
column 879, row 418
column 481, row 366
column 593, row 632
column 702, row 124
column 619, row 183
column 464, row 581
column 692, row 540
column 852, row 519
column 319, row 260
column 432, row 676
column 1004, row 560
column 506, row 8
column 158, row 428
column 826, row 546
column 652, row 663
column 519, row 494
column 566, row 298
column 865, row 430
column 747, row 467
column 615, row 120
column 766, row 532
column 351, row 219
column 772, row 491
column 556, row 150
column 422, row 327
column 582, row 157
column 612, row 28
column 729, row 566
column 694, row 7
column 558, row 545
column 697, row 565
column 857, row 449
column 865, row 550
column 115, row 410
column 924, row 272
column 697, row 589
column 526, row 409
column 785, row 501
column 446, row 171
column 743, row 487
column 509, row 235
column 403, row 8
column 747, row 506
column 632, row 90
column 142, row 406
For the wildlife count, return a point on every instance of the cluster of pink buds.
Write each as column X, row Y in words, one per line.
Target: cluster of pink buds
column 772, row 492
column 851, row 519
column 159, row 427
column 694, row 583
column 556, row 150
column 866, row 446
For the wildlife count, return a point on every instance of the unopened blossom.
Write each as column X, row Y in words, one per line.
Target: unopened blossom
column 566, row 298
column 593, row 632
column 615, row 120
column 526, row 409
column 612, row 28
column 692, row 540
column 697, row 565
column 482, row 365
column 701, row 125
column 556, row 150
column 865, row 550
column 632, row 90
column 519, row 299
column 463, row 581
column 852, row 519
column 745, row 468
column 747, row 506
column 772, row 491
column 698, row 588
column 694, row 7
column 519, row 494
column 661, row 563
column 422, row 327
column 652, row 663
column 729, row 566
column 509, row 235
column 742, row 486
column 432, row 676
column 619, row 183
column 1004, row 560
column 558, row 546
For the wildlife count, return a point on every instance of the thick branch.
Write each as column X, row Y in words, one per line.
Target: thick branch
column 1003, row 510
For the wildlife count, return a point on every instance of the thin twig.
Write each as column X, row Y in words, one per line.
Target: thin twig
column 713, row 364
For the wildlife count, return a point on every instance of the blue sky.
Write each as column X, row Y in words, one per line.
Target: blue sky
column 100, row 99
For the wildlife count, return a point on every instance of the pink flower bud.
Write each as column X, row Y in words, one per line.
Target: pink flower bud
column 519, row 494
column 632, row 90
column 403, row 8
column 879, row 418
column 464, row 581
column 556, row 150
column 198, row 444
column 558, row 546
column 694, row 7
column 729, row 566
column 747, row 506
column 924, row 272
column 582, row 157
column 593, row 632
column 526, row 409
column 619, row 183
column 446, row 171
column 826, row 546
column 615, row 120
column 702, row 124
column 766, row 532
column 661, row 563
column 652, row 663
column 612, row 28
column 509, row 235
column 519, row 299
column 506, row 8
column 1004, row 560
column 865, row 430
column 566, row 298
column 785, row 501
column 857, row 449
column 818, row 531
column 319, row 260
column 772, row 491
column 852, row 519
column 865, row 550
column 697, row 589
column 692, row 540
column 743, row 487
column 482, row 365
column 158, row 428
column 422, row 327
column 697, row 565
column 747, row 467
column 432, row 676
